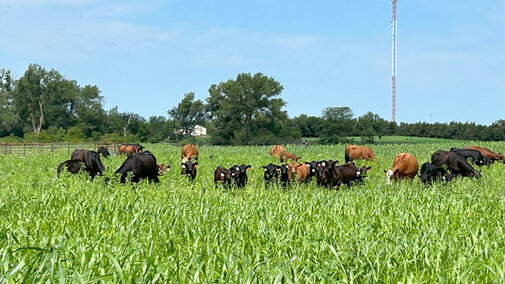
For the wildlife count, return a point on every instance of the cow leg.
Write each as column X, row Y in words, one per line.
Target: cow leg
column 123, row 177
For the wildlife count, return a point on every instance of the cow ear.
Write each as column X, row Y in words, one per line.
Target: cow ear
column 336, row 162
column 396, row 171
column 385, row 171
column 368, row 168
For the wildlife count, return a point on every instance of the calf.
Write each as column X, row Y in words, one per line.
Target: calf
column 222, row 176
column 130, row 149
column 285, row 156
column 324, row 172
column 303, row 172
column 455, row 163
column 271, row 173
column 475, row 155
column 142, row 165
column 404, row 166
column 73, row 166
column 162, row 169
column 287, row 173
column 430, row 173
column 189, row 169
column 239, row 174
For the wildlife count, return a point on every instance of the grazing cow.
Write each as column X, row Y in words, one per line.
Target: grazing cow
column 162, row 169
column 348, row 173
column 475, row 155
column 271, row 173
column 73, row 166
column 92, row 164
column 130, row 149
column 222, row 175
column 142, row 165
column 285, row 156
column 78, row 155
column 188, row 168
column 276, row 151
column 492, row 156
column 189, row 151
column 404, row 166
column 455, row 163
column 430, row 172
column 354, row 152
column 239, row 174
column 104, row 151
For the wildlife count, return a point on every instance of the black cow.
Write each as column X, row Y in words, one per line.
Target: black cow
column 239, row 175
column 102, row 150
column 430, row 173
column 347, row 174
column 222, row 175
column 271, row 173
column 312, row 168
column 475, row 155
column 141, row 165
column 324, row 172
column 455, row 163
column 189, row 169
column 78, row 155
column 73, row 167
column 92, row 164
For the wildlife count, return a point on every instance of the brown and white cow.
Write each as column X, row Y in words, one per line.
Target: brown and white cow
column 130, row 149
column 355, row 152
column 404, row 166
column 189, row 151
column 488, row 153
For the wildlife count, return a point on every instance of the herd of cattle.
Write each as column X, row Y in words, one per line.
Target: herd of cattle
column 143, row 165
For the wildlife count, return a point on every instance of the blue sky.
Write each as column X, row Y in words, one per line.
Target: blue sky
column 144, row 55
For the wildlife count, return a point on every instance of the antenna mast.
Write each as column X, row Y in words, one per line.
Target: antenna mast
column 393, row 91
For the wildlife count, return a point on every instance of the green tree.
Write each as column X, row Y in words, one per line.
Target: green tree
column 35, row 93
column 8, row 115
column 337, row 113
column 245, row 107
column 189, row 113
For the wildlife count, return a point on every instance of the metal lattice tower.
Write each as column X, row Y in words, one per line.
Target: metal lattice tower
column 394, row 59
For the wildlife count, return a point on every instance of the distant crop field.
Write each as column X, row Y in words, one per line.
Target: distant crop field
column 77, row 230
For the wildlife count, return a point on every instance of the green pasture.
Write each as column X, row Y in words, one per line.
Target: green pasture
column 71, row 229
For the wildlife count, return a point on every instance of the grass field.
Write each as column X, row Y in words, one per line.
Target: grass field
column 71, row 229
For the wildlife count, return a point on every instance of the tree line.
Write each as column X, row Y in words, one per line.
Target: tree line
column 44, row 106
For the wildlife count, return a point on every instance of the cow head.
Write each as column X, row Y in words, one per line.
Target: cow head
column 500, row 157
column 102, row 150
column 270, row 171
column 189, row 168
column 222, row 174
column 391, row 174
column 361, row 172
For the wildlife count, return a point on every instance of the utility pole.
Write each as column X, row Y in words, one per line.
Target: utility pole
column 393, row 91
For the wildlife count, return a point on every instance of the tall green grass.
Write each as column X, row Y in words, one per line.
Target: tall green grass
column 71, row 229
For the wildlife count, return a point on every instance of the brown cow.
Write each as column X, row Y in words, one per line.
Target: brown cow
column 354, row 152
column 276, row 151
column 189, row 151
column 285, row 156
column 404, row 166
column 302, row 171
column 488, row 153
column 130, row 149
